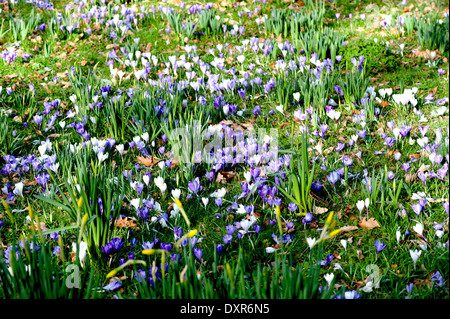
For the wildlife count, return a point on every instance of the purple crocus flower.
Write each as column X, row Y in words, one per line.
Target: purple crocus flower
column 53, row 236
column 116, row 243
column 423, row 177
column 442, row 172
column 38, row 119
column 140, row 275
column 404, row 130
column 390, row 141
column 113, row 286
column 255, row 172
column 147, row 245
column 327, row 261
column 416, row 208
column 230, row 230
column 100, row 205
column 406, row 166
column 423, row 130
column 379, row 246
column 338, row 90
column 165, row 246
column 347, row 160
column 107, row 248
column 333, row 177
column 308, row 218
column 289, row 224
column 227, row 239
column 198, row 253
column 292, row 207
column 409, row 289
column 178, row 231
column 219, row 248
column 362, row 134
column 56, row 251
column 219, row 201
column 195, row 186
column 438, row 278
column 390, row 175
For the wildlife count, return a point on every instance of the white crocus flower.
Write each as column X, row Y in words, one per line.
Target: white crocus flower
column 367, row 203
column 311, row 242
column 329, row 278
column 42, row 149
column 146, row 179
column 18, row 189
column 175, row 211
column 102, row 156
column 219, row 193
column 415, row 255
column 368, row 287
column 159, row 181
column 248, row 177
column 135, row 202
column 83, row 250
column 344, row 244
column 397, row 235
column 270, row 250
column 120, row 149
column 241, row 209
column 418, row 228
column 360, row 206
column 176, row 193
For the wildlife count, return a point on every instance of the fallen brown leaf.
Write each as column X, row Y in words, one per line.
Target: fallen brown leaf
column 348, row 228
column 368, row 224
column 360, row 254
column 423, row 168
column 147, row 161
column 410, row 177
column 223, row 177
column 125, row 223
column 320, row 210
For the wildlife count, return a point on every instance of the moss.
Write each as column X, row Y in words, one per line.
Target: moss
column 379, row 59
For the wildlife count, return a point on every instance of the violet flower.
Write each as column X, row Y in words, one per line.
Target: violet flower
column 195, row 186
column 198, row 253
column 379, row 246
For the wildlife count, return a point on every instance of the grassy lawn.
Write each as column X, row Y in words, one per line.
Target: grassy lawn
column 203, row 150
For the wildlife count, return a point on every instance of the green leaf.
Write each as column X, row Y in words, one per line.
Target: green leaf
column 54, row 203
column 49, row 231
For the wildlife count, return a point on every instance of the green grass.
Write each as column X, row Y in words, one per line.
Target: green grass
column 385, row 69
